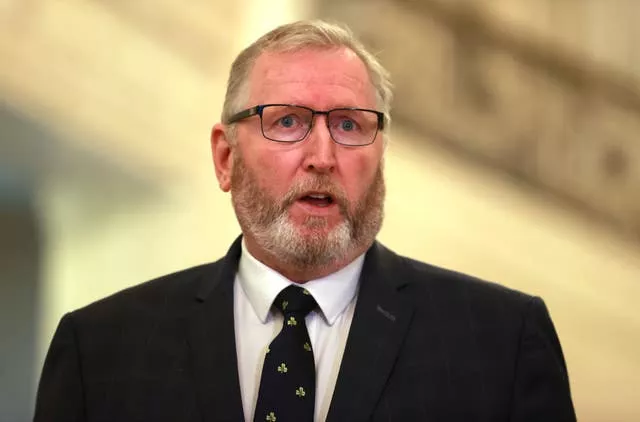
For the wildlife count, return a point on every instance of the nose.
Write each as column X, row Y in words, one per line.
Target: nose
column 320, row 154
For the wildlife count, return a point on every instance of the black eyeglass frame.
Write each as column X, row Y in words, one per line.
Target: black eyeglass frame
column 257, row 110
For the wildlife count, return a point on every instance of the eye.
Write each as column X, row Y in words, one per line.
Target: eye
column 347, row 125
column 287, row 121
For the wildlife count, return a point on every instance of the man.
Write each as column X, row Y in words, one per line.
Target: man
column 372, row 336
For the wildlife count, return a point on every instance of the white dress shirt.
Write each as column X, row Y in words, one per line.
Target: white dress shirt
column 256, row 325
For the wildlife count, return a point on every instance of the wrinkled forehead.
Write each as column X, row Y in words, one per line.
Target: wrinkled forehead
column 314, row 77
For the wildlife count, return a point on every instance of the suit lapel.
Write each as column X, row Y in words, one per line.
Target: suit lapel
column 380, row 322
column 211, row 339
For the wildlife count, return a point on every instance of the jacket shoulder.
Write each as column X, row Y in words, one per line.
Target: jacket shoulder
column 423, row 279
column 449, row 279
column 166, row 294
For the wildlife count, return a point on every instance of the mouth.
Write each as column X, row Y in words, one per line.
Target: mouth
column 318, row 199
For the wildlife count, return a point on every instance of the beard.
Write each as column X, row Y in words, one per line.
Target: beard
column 313, row 245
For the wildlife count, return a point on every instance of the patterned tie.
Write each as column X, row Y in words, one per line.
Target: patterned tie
column 288, row 383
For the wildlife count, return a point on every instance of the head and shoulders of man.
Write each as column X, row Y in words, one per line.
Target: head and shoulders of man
column 307, row 207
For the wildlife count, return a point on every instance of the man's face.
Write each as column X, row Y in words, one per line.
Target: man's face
column 312, row 203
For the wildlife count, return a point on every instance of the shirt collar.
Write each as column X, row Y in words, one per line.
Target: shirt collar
column 262, row 284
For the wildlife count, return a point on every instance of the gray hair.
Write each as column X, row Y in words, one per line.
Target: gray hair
column 294, row 37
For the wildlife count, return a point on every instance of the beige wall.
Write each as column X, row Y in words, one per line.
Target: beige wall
column 154, row 207
column 606, row 31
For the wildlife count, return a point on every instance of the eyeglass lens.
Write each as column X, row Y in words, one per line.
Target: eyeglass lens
column 286, row 123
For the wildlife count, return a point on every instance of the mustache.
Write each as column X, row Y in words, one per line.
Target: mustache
column 319, row 184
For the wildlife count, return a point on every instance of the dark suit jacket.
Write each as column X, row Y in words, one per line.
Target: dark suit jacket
column 425, row 344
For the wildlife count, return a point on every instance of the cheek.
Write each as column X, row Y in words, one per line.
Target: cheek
column 277, row 169
column 358, row 173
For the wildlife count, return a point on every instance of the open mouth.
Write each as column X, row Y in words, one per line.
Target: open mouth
column 318, row 199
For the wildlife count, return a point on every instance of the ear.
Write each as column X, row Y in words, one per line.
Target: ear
column 222, row 156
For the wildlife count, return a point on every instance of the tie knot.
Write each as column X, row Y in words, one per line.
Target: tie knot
column 295, row 299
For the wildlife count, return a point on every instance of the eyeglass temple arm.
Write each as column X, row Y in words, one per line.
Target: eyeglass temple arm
column 244, row 114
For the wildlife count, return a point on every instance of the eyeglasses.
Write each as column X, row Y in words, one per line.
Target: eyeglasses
column 292, row 123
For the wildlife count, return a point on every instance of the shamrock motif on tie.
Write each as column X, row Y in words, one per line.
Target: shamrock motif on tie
column 289, row 364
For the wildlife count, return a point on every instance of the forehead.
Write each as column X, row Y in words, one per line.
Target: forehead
column 318, row 78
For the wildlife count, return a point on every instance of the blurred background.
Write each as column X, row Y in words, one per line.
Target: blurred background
column 514, row 156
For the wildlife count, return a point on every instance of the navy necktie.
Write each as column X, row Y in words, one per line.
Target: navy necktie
column 288, row 384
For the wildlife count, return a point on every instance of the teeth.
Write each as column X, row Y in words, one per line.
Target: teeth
column 317, row 196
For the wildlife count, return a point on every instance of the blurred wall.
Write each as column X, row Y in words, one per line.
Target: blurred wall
column 19, row 277
column 120, row 177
